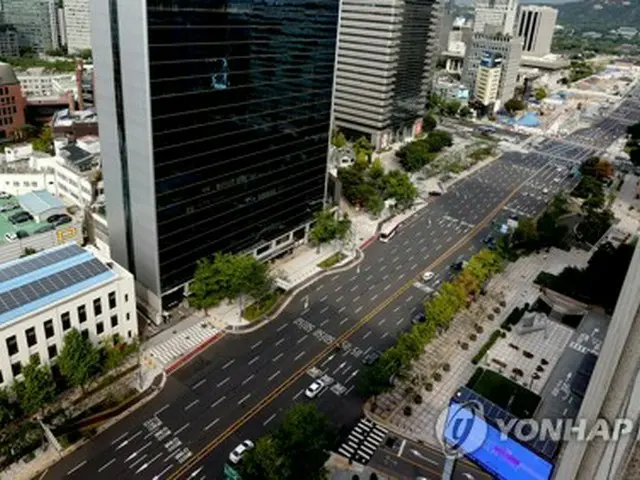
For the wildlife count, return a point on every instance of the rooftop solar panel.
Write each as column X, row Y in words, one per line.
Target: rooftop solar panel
column 40, row 261
column 17, row 297
column 546, row 448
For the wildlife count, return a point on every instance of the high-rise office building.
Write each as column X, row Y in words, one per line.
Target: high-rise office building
column 386, row 56
column 487, row 85
column 35, row 21
column 214, row 124
column 536, row 25
column 495, row 16
column 77, row 25
column 509, row 48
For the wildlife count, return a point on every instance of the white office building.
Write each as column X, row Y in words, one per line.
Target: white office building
column 39, row 82
column 45, row 295
column 495, row 16
column 77, row 21
column 536, row 25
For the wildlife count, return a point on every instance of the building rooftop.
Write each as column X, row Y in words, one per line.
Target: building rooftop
column 39, row 201
column 30, row 283
column 7, row 75
column 66, row 118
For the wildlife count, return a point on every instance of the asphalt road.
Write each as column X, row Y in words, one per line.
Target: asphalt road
column 240, row 386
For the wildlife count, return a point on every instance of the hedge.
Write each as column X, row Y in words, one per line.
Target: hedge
column 513, row 318
column 485, row 348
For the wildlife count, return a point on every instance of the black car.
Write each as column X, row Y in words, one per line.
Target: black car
column 20, row 217
column 62, row 219
column 54, row 218
column 488, row 240
column 418, row 318
column 371, row 357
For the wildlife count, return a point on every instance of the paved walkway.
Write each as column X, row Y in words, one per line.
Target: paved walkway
column 166, row 351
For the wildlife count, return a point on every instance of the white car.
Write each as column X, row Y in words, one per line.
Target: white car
column 240, row 450
column 10, row 237
column 428, row 276
column 545, row 190
column 314, row 389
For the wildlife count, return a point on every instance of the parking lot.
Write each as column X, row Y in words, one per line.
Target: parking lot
column 6, row 227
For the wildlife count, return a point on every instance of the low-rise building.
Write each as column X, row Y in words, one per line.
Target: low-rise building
column 41, row 204
column 45, row 295
column 75, row 123
column 40, row 82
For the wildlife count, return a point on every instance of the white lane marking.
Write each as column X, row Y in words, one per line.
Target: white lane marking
column 200, row 383
column 385, row 335
column 137, row 452
column 368, row 279
column 324, row 322
column 354, row 288
column 299, row 355
column 414, row 266
column 342, row 309
column 409, row 299
column 385, row 277
column 298, row 394
column 338, row 288
column 243, row 399
column 80, row 465
column 126, row 442
column 400, row 321
column 282, row 327
column 217, row 402
column 268, row 420
column 253, row 360
column 192, row 404
column 358, row 309
column 382, row 321
column 324, row 298
column 371, row 287
column 212, row 424
column 106, row 465
column 344, row 320
column 223, row 382
column 274, row 375
column 158, row 476
column 256, row 345
column 395, row 310
column 356, row 299
column 324, row 309
column 277, row 357
column 374, row 297
column 161, row 410
column 302, row 339
column 280, row 341
column 339, row 299
column 228, row 364
column 124, row 434
column 248, row 379
column 366, row 335
column 181, row 429
column 387, row 287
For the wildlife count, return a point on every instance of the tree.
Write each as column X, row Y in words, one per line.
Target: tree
column 8, row 409
column 398, row 186
column 464, row 112
column 514, row 105
column 338, row 139
column 79, row 360
column 85, row 54
column 264, row 462
column 451, row 107
column 328, row 227
column 363, row 145
column 44, row 142
column 374, row 204
column 588, row 187
column 37, row 389
column 541, row 94
column 429, row 123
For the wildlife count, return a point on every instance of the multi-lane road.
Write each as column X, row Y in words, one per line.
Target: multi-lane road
column 240, row 386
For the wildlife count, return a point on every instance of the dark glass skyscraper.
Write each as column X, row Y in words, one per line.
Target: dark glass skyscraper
column 214, row 123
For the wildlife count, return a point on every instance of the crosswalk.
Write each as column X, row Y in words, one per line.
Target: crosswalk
column 363, row 441
column 182, row 343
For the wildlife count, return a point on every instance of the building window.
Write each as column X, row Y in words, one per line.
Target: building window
column 85, row 334
column 128, row 316
column 99, row 328
column 126, row 297
column 16, row 368
column 112, row 300
column 97, row 307
column 12, row 345
column 129, row 333
column 66, row 322
column 48, row 329
column 53, row 351
column 1, row 377
column 30, row 333
column 82, row 314
column 114, row 321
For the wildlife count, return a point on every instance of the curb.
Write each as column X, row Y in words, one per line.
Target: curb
column 297, row 290
column 187, row 357
column 368, row 242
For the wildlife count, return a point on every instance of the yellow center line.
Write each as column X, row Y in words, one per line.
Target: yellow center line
column 252, row 412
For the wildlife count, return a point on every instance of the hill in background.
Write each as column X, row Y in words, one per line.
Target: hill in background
column 599, row 16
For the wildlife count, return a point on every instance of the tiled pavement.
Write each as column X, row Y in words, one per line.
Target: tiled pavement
column 181, row 343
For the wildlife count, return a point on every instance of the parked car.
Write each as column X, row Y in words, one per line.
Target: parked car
column 9, row 208
column 44, row 228
column 20, row 217
column 10, row 237
column 488, row 239
column 236, row 455
column 314, row 389
column 371, row 357
column 54, row 218
column 62, row 219
column 418, row 318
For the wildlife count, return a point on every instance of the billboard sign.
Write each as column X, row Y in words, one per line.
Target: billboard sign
column 465, row 430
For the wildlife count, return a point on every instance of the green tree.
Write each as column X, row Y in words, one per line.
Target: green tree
column 377, row 173
column 397, row 185
column 44, row 142
column 514, row 105
column 338, row 139
column 451, row 107
column 464, row 112
column 328, row 227
column 264, row 462
column 526, row 234
column 37, row 389
column 588, row 187
column 429, row 123
column 374, row 204
column 79, row 360
column 8, row 408
column 541, row 94
column 86, row 54
column 363, row 146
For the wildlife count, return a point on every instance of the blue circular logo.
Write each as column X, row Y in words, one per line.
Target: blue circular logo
column 461, row 428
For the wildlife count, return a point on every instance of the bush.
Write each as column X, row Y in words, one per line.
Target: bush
column 527, row 354
column 464, row 346
column 539, row 369
column 473, row 337
column 496, row 310
column 503, row 303
column 491, row 316
column 487, row 346
column 428, row 387
column 478, row 328
column 407, row 411
column 514, row 317
column 544, row 361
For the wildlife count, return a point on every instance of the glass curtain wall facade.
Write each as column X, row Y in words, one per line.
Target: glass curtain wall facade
column 239, row 108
